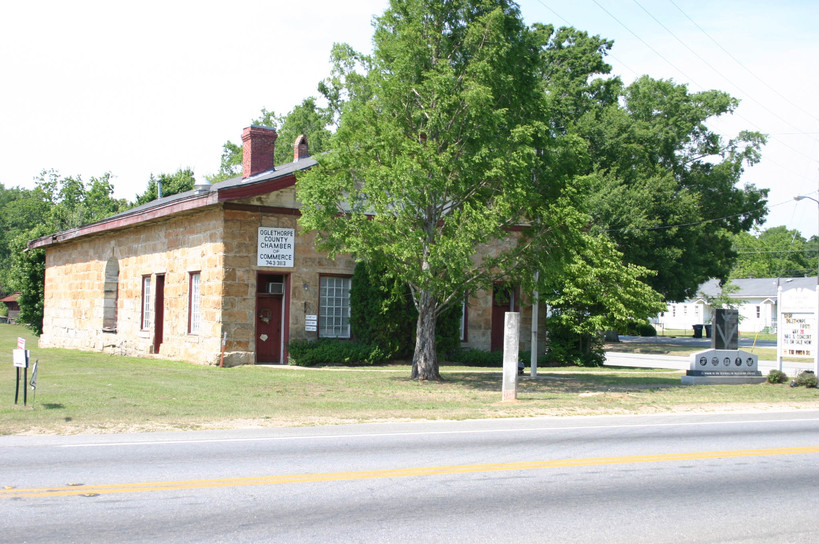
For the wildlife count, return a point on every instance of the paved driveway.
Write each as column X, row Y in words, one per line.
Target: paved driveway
column 647, row 360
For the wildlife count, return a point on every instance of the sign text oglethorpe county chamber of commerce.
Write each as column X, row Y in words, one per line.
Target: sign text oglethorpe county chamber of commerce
column 276, row 247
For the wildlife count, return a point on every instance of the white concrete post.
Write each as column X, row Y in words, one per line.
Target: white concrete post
column 511, row 340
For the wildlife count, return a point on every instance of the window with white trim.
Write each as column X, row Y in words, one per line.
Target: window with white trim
column 147, row 313
column 334, row 307
column 194, row 297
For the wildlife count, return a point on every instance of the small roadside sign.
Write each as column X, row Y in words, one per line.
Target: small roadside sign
column 20, row 358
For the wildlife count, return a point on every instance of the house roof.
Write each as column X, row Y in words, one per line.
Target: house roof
column 203, row 195
column 11, row 298
column 758, row 287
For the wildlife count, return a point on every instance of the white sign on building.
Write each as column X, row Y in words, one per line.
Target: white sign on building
column 276, row 247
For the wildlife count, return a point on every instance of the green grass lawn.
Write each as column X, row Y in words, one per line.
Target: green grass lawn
column 93, row 392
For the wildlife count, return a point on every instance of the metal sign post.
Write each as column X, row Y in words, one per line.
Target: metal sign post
column 33, row 383
column 20, row 358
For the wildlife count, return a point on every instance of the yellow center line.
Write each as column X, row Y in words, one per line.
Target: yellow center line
column 389, row 473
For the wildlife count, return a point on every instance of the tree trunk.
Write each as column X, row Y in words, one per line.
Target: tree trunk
column 425, row 359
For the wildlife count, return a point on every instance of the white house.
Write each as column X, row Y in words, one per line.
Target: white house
column 757, row 303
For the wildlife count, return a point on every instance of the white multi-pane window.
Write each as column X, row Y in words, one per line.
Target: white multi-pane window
column 334, row 307
column 147, row 314
column 193, row 303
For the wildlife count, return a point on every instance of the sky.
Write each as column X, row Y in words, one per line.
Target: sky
column 141, row 88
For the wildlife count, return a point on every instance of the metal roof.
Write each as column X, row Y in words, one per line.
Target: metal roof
column 235, row 188
column 757, row 287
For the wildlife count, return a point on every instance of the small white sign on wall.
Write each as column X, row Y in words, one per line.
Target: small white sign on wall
column 276, row 247
column 311, row 323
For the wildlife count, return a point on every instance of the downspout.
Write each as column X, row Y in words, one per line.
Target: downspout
column 535, row 304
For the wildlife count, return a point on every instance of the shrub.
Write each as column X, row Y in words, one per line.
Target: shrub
column 381, row 311
column 777, row 376
column 640, row 328
column 327, row 351
column 570, row 348
column 807, row 378
column 382, row 314
column 476, row 357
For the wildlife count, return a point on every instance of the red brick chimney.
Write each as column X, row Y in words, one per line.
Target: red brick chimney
column 258, row 144
column 300, row 149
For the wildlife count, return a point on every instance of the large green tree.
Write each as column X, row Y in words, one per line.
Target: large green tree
column 170, row 184
column 774, row 252
column 436, row 167
column 23, row 209
column 57, row 203
column 665, row 187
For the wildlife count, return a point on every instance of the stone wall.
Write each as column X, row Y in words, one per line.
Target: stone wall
column 241, row 271
column 76, row 294
column 479, row 323
column 93, row 290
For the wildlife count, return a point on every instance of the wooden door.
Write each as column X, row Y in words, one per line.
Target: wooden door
column 268, row 328
column 159, row 312
column 503, row 300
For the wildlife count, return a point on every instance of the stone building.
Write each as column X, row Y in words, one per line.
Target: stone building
column 219, row 273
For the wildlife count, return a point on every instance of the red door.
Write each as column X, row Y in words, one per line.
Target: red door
column 268, row 328
column 503, row 300
column 159, row 312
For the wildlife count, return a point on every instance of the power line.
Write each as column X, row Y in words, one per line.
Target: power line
column 568, row 23
column 774, row 137
column 693, row 223
column 765, row 83
column 681, row 71
column 772, row 251
column 720, row 74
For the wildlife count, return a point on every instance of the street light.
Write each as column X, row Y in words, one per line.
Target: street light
column 815, row 332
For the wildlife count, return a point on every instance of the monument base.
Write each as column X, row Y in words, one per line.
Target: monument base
column 722, row 380
column 723, row 367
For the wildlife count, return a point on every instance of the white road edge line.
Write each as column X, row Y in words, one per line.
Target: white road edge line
column 424, row 433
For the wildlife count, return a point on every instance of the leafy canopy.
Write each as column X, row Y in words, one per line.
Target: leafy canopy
column 434, row 167
column 774, row 252
column 55, row 204
column 171, row 184
column 664, row 186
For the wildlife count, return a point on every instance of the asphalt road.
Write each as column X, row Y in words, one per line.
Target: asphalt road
column 674, row 362
column 661, row 478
